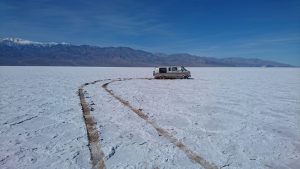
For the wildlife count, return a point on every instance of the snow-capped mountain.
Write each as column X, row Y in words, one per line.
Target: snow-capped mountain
column 16, row 51
column 19, row 41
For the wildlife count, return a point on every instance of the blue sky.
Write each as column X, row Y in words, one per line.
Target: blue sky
column 266, row 29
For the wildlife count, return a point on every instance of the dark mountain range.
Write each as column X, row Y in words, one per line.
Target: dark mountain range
column 18, row 52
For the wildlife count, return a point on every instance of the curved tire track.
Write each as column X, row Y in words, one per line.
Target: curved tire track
column 190, row 154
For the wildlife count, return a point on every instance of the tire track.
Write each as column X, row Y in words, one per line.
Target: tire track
column 97, row 155
column 190, row 154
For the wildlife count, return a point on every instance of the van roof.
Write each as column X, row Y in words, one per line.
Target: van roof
column 168, row 66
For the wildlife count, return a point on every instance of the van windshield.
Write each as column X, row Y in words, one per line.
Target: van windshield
column 183, row 68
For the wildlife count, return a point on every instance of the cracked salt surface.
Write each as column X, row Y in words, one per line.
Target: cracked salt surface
column 234, row 117
column 41, row 124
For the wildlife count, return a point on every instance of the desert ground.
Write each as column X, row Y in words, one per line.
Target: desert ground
column 221, row 118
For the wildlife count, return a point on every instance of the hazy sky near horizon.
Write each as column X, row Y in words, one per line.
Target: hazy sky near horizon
column 266, row 29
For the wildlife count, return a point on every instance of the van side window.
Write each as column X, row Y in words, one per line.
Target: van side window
column 162, row 70
column 174, row 68
column 169, row 69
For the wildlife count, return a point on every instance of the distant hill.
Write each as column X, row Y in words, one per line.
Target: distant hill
column 19, row 52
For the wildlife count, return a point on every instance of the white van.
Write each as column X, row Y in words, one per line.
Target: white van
column 171, row 72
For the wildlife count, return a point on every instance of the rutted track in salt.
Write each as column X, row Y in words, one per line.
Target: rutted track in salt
column 190, row 154
column 97, row 155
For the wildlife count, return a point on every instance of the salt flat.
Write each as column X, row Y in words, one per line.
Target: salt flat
column 232, row 117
